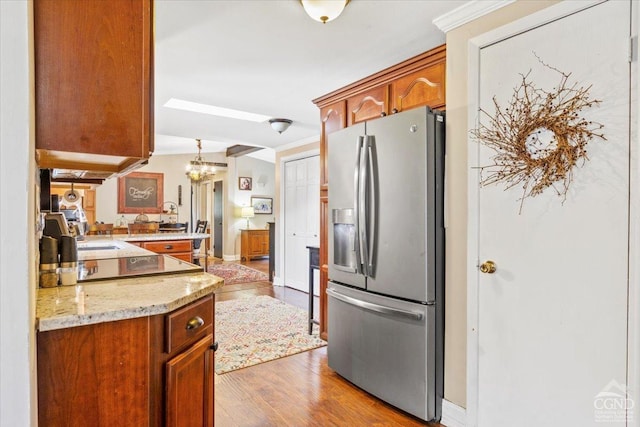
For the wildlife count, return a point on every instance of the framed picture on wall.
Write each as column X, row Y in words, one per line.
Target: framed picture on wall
column 141, row 192
column 262, row 205
column 244, row 183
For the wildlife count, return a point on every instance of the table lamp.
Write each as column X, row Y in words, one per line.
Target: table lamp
column 247, row 212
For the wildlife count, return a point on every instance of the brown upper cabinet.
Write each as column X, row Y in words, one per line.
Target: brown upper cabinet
column 368, row 105
column 416, row 82
column 93, row 84
column 332, row 118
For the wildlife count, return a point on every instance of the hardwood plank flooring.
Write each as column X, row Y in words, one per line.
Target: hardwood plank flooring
column 298, row 390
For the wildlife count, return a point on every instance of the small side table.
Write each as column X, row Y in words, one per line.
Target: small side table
column 314, row 264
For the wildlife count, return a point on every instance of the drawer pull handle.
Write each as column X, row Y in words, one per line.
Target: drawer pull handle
column 194, row 323
column 168, row 246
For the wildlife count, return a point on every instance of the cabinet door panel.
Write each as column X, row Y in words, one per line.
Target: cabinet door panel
column 189, row 398
column 332, row 118
column 422, row 88
column 93, row 92
column 368, row 105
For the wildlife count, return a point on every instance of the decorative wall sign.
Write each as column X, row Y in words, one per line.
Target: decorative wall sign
column 539, row 137
column 140, row 192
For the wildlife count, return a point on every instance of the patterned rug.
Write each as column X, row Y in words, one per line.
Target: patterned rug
column 259, row 329
column 237, row 273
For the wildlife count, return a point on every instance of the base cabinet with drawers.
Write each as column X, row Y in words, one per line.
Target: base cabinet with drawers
column 147, row 371
column 180, row 249
column 254, row 244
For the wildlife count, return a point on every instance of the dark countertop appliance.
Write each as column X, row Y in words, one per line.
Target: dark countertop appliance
column 132, row 266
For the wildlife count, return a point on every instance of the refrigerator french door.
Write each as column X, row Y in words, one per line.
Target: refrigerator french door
column 386, row 253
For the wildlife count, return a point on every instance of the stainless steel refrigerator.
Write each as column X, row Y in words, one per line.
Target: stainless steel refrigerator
column 386, row 258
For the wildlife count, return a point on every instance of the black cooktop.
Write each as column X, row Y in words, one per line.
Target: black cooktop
column 145, row 265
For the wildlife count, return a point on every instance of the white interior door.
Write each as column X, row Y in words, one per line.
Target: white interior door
column 552, row 319
column 301, row 218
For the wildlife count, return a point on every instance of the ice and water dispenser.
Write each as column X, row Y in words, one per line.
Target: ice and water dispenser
column 344, row 240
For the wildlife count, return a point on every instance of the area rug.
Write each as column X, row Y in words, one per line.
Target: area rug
column 258, row 329
column 237, row 273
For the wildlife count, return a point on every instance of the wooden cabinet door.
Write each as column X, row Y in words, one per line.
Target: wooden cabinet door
column 368, row 105
column 89, row 205
column 93, row 81
column 94, row 375
column 189, row 388
column 332, row 118
column 425, row 87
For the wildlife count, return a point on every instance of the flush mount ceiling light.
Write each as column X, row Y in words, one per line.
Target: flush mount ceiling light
column 280, row 125
column 199, row 170
column 324, row 10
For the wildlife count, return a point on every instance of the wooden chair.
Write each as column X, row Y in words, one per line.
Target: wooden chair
column 100, row 229
column 197, row 255
column 143, row 228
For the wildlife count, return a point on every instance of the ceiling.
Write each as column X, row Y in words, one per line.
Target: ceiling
column 270, row 58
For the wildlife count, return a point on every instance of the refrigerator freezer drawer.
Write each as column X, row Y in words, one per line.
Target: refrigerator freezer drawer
column 384, row 346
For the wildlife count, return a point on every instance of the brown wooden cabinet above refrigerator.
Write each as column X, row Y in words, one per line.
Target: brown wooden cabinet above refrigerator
column 93, row 85
column 416, row 82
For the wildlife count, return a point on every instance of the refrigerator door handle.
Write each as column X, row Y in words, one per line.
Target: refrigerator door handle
column 356, row 207
column 405, row 314
column 362, row 208
column 371, row 214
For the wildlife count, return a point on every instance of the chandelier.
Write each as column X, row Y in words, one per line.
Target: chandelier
column 198, row 169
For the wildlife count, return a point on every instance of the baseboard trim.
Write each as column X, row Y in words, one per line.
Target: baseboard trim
column 277, row 281
column 230, row 257
column 453, row 415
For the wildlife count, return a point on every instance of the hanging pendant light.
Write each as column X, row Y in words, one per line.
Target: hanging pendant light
column 324, row 10
column 198, row 169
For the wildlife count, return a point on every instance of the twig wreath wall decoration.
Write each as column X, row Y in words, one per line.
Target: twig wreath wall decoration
column 539, row 137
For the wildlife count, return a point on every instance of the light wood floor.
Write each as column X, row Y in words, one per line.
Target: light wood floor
column 299, row 390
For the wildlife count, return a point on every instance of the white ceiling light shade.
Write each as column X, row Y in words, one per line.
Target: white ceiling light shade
column 280, row 125
column 324, row 10
column 181, row 104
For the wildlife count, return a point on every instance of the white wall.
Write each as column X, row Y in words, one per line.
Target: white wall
column 173, row 169
column 263, row 185
column 17, row 211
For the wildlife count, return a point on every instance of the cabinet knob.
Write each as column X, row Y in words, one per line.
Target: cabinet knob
column 214, row 346
column 383, row 114
column 394, row 111
column 194, row 323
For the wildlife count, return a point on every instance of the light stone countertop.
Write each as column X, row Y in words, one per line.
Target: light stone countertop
column 119, row 298
column 104, row 247
column 159, row 236
column 110, row 300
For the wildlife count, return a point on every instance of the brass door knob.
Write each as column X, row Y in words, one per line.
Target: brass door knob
column 488, row 267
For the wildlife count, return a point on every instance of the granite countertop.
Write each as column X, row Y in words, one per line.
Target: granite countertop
column 110, row 300
column 119, row 298
column 100, row 247
column 160, row 236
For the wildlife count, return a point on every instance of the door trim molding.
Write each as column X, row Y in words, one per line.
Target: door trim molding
column 475, row 45
column 453, row 415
